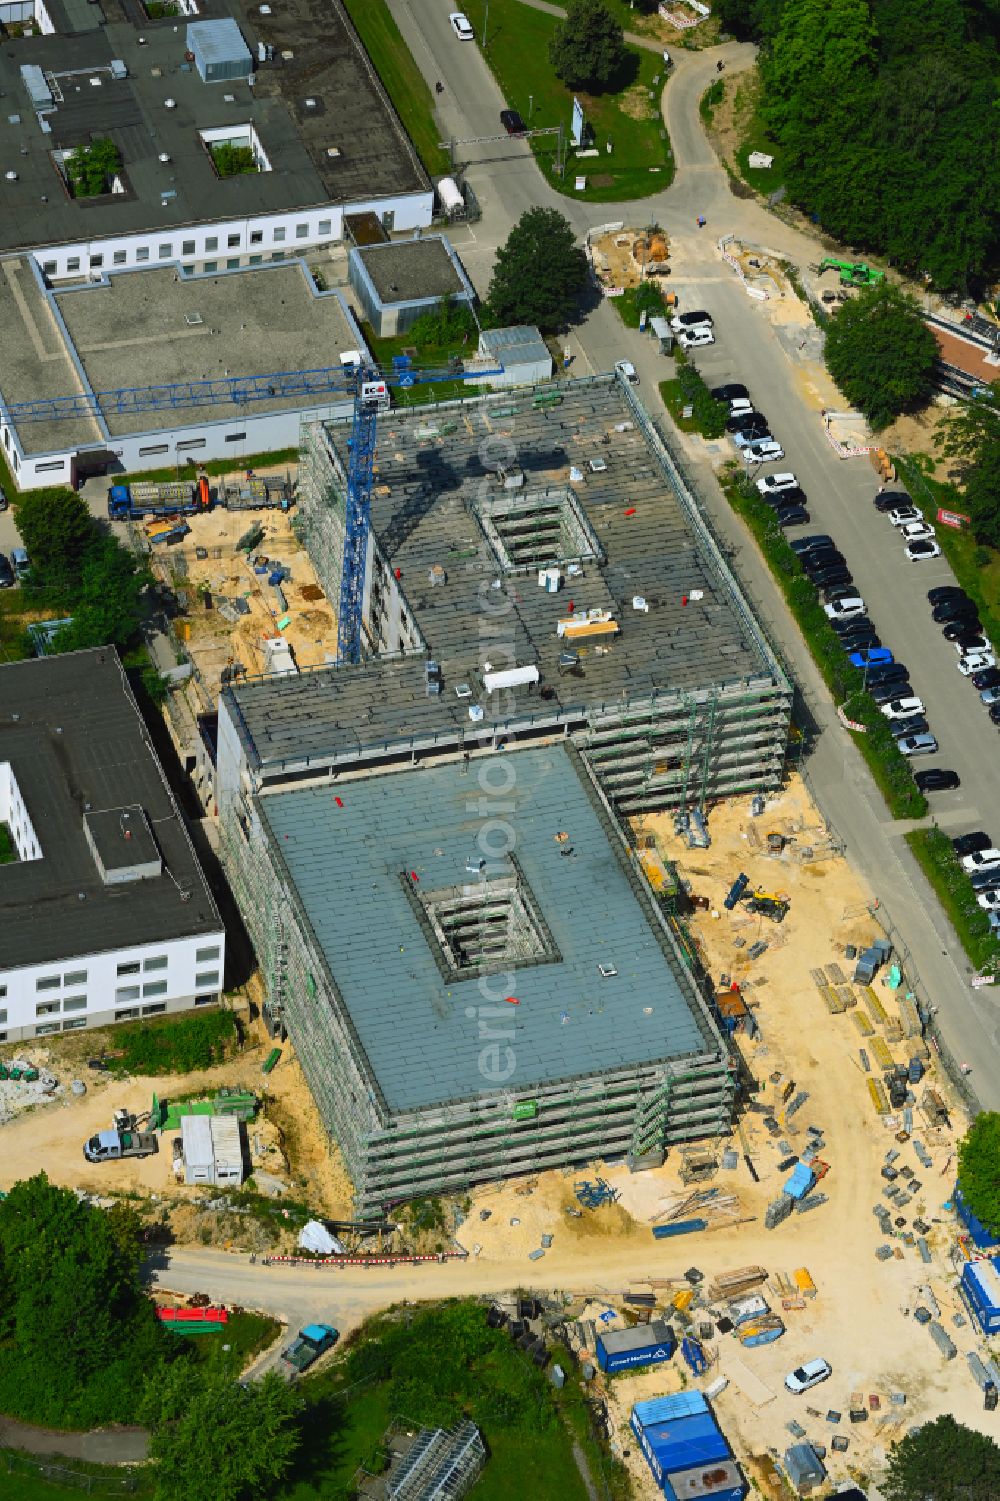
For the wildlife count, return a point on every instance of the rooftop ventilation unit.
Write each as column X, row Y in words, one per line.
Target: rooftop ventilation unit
column 117, row 69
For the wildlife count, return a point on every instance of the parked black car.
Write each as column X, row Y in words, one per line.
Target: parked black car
column 732, row 392
column 892, row 672
column 968, row 844
column 936, row 779
column 892, row 500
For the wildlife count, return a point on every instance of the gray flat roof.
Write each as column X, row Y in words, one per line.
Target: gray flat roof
column 79, row 741
column 347, row 863
column 133, row 329
column 409, row 270
column 328, row 65
column 430, row 478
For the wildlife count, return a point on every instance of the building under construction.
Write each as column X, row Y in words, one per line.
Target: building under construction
column 429, row 848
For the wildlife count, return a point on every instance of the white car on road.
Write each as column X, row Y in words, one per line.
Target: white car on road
column 684, row 322
column 627, row 369
column 696, row 338
column 847, row 608
column 990, row 899
column 916, row 531
column 460, row 26
column 902, row 708
column 922, row 550
column 976, row 661
column 904, row 515
column 770, row 482
column 981, row 859
column 763, row 451
column 810, row 1374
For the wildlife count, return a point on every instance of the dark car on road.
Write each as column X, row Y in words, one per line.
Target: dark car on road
column 793, row 516
column 989, row 677
column 884, row 693
column 833, row 573
column 968, row 844
column 792, row 496
column 895, row 672
column 802, row 545
column 937, row 779
column 7, row 579
column 733, row 392
column 954, row 609
column 915, row 725
column 941, row 592
column 892, row 500
column 512, row 122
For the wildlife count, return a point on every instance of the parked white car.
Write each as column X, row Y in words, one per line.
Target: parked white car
column 902, row 708
column 771, row 482
column 696, row 338
column 764, row 451
column 916, row 531
column 810, row 1374
column 990, row 900
column 976, row 661
column 922, row 550
column 460, row 26
column 904, row 514
column 684, row 322
column 627, row 369
column 847, row 608
column 981, row 859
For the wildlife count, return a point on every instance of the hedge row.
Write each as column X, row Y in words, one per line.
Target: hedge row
column 888, row 766
column 937, row 859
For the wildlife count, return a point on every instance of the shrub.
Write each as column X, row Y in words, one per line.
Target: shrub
column 178, row 1046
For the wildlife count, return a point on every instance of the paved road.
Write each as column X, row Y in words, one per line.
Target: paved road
column 104, row 1446
column 840, row 492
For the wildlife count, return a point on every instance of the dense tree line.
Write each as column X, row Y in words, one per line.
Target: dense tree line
column 79, row 569
column 884, row 117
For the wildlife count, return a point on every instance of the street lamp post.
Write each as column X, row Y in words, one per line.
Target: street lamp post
column 486, row 17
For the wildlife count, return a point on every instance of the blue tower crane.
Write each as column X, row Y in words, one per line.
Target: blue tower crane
column 369, row 387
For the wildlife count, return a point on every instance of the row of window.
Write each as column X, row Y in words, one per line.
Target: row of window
column 167, row 252
column 122, row 1014
column 56, row 982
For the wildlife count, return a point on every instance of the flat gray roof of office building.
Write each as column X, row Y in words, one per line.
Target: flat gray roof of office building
column 430, row 474
column 78, row 742
column 350, row 112
column 420, row 1032
column 153, row 328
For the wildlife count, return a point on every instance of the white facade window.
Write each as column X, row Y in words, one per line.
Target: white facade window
column 75, row 1003
column 47, row 1008
column 120, row 257
column 75, row 1025
column 50, row 467
column 48, row 982
column 208, row 981
column 44, row 1028
column 325, row 227
column 192, row 443
column 165, row 252
column 144, row 453
column 211, row 243
column 188, row 247
column 130, row 967
column 142, row 253
column 155, row 1009
column 279, row 234
column 213, row 953
column 302, row 231
column 232, row 242
column 75, row 977
column 3, row 1015
column 127, row 1014
column 127, row 993
column 158, row 987
column 158, row 962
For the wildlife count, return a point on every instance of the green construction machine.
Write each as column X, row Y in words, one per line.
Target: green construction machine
column 853, row 273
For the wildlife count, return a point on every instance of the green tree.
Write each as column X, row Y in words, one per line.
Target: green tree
column 58, row 532
column 78, row 1335
column 881, row 353
column 945, row 1461
column 91, row 168
column 818, row 51
column 215, row 1439
column 540, row 272
column 231, row 161
column 587, row 49
column 449, row 326
column 971, row 438
column 108, row 605
column 979, row 1169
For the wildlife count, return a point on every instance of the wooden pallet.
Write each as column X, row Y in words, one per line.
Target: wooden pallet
column 875, row 1008
column 847, row 995
column 836, row 974
column 883, row 1057
column 862, row 1023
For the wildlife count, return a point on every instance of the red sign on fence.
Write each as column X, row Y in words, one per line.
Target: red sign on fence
column 954, row 518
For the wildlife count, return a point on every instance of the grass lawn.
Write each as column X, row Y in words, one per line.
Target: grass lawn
column 640, row 162
column 428, row 357
column 21, row 1479
column 402, row 79
column 764, row 180
column 214, row 467
column 674, row 400
column 980, row 582
column 942, row 867
column 172, row 1045
column 246, row 1334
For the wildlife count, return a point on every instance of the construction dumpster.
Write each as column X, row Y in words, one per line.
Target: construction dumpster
column 645, row 1344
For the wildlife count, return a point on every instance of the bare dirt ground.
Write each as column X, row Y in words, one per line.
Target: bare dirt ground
column 224, row 574
column 287, row 1143
column 857, row 1320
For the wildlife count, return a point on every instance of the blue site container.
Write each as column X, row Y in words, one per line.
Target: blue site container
column 645, row 1344
column 679, row 1227
column 685, row 1448
column 982, row 1238
column 980, row 1287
